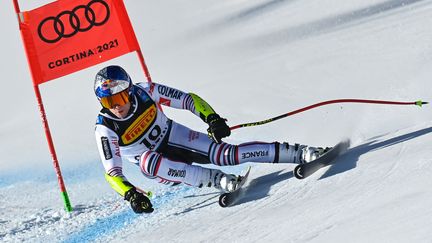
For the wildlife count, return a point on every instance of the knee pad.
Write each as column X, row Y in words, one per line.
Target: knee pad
column 149, row 163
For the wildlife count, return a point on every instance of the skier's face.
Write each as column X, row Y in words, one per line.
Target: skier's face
column 121, row 111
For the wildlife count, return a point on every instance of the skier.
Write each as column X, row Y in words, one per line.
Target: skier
column 132, row 127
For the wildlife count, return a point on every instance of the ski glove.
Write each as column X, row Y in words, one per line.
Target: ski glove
column 138, row 201
column 218, row 128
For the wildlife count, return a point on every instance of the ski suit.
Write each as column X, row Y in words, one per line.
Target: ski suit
column 163, row 148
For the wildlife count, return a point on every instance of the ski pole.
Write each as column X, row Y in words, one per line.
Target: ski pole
column 383, row 102
column 147, row 193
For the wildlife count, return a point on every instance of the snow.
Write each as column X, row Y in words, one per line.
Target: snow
column 250, row 60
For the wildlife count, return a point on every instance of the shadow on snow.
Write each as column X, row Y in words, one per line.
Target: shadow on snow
column 350, row 158
column 259, row 187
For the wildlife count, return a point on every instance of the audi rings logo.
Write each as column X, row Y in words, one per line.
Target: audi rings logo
column 67, row 23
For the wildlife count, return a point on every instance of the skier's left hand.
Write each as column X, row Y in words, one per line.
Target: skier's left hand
column 218, row 128
column 138, row 201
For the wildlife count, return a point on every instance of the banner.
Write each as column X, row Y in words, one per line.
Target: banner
column 69, row 35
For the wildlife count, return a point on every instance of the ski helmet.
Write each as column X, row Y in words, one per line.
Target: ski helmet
column 112, row 86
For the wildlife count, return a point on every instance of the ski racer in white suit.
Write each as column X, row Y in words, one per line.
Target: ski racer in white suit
column 132, row 127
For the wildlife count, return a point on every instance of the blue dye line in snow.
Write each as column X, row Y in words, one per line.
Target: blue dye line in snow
column 110, row 225
column 103, row 227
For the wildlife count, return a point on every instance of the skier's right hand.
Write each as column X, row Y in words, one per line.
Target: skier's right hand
column 138, row 201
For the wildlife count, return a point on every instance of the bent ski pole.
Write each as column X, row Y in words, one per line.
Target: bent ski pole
column 383, row 102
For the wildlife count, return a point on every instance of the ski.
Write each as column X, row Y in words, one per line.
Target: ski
column 230, row 198
column 304, row 170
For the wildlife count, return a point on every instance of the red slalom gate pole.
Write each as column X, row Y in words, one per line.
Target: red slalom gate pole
column 383, row 102
column 144, row 66
column 64, row 194
column 62, row 186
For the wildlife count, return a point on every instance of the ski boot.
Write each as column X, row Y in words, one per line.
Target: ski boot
column 219, row 180
column 229, row 182
column 299, row 154
column 312, row 153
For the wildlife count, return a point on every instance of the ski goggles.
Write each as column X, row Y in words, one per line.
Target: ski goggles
column 121, row 99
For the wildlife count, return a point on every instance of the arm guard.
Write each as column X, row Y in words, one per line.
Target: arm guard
column 119, row 184
column 202, row 108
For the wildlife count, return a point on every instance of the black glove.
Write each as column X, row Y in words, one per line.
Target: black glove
column 218, row 128
column 139, row 202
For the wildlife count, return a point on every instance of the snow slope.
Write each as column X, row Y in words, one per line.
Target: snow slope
column 250, row 60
